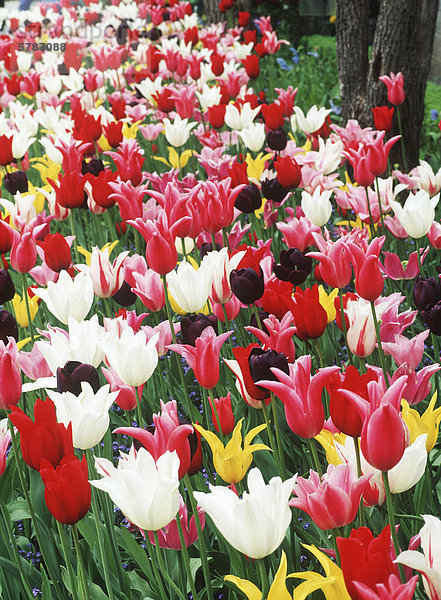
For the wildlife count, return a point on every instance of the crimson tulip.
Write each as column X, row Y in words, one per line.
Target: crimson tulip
column 67, row 489
column 310, row 318
column 251, row 64
column 57, row 253
column 383, row 117
column 43, row 438
column 221, row 410
column 289, row 174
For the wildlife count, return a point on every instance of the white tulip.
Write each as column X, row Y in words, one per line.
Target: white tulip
column 317, row 207
column 240, row 119
column 313, row 120
column 178, row 132
column 190, row 287
column 253, row 136
column 417, row 214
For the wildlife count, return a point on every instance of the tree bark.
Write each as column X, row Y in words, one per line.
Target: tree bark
column 403, row 41
column 211, row 11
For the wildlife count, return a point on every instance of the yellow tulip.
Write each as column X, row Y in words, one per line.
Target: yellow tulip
column 46, row 167
column 130, row 131
column 277, row 590
column 175, row 160
column 428, row 422
column 333, row 585
column 232, row 461
column 19, row 305
column 327, row 301
column 327, row 440
column 88, row 255
column 255, row 166
column 104, row 144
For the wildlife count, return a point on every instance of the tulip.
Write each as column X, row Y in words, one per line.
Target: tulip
column 253, row 136
column 278, row 335
column 5, row 440
column 361, row 336
column 168, row 536
column 429, row 562
column 7, row 288
column 313, row 120
column 395, row 90
column 395, row 269
column 247, row 284
column 169, row 435
column 427, row 423
column 289, row 173
column 366, row 559
column 317, row 207
column 43, row 438
column 106, row 277
column 277, row 591
column 126, row 398
column 310, row 318
column 394, row 589
column 146, row 491
column 222, row 414
column 418, row 213
column 88, row 412
column 203, row 358
column 68, row 297
column 57, row 253
column 302, row 395
column 10, row 377
column 232, row 462
column 332, row 501
column 264, row 509
column 383, row 117
column 251, row 64
column 190, row 287
column 178, row 132
column 294, row 266
column 67, row 490
column 249, row 199
column 8, row 326
column 242, row 119
column 131, row 357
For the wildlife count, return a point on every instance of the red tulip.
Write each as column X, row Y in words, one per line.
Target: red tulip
column 67, row 488
column 57, row 253
column 251, row 64
column 310, row 317
column 224, row 413
column 289, row 174
column 383, row 117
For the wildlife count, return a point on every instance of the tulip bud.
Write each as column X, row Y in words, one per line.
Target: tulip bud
column 277, row 139
column 70, row 376
column 426, row 291
column 10, row 381
column 8, row 326
column 369, row 280
column 262, row 361
column 383, row 439
column 57, row 253
column 5, row 238
column 124, row 296
column 294, row 266
column 223, row 413
column 94, row 167
column 192, row 327
column 16, row 182
column 247, row 284
column 273, row 190
column 249, row 199
column 432, row 318
column 7, row 288
column 289, row 174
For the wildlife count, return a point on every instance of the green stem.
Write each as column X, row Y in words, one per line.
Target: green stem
column 343, row 324
column 80, row 564
column 278, row 436
column 391, row 516
column 66, row 553
column 379, row 202
column 420, row 265
column 337, row 553
column 372, row 227
column 256, row 314
column 28, row 310
column 138, row 408
column 164, row 570
column 400, row 129
column 271, row 440
column 263, row 577
column 315, row 457
column 380, row 348
column 202, row 547
column 95, row 512
column 359, row 474
column 185, row 558
column 158, row 579
column 73, row 229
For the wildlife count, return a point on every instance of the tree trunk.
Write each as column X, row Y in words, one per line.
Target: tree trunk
column 403, row 41
column 211, row 11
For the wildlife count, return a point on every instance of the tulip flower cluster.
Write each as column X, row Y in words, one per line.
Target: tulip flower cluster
column 219, row 324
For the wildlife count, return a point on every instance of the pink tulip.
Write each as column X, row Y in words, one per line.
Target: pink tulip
column 204, row 357
column 279, row 336
column 332, row 501
column 10, row 376
column 302, row 395
column 169, row 536
column 165, row 336
column 297, row 233
column 149, row 288
column 169, row 435
column 5, row 439
column 407, row 351
column 129, row 198
column 393, row 590
column 434, row 235
column 395, row 269
column 126, row 398
column 334, row 259
column 395, row 89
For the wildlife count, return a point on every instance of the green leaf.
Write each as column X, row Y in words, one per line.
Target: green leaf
column 138, row 554
column 18, row 510
column 96, row 593
column 46, row 593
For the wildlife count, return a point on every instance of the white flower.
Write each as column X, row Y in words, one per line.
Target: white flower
column 24, row 61
column 253, row 136
column 20, row 143
column 190, row 287
column 178, row 132
column 21, row 209
column 417, row 214
column 329, row 155
column 88, row 412
column 68, row 297
column 256, row 523
column 313, row 120
column 210, row 96
column 242, row 119
column 428, row 563
column 317, row 207
column 146, row 492
column 222, row 266
column 131, row 357
column 427, row 180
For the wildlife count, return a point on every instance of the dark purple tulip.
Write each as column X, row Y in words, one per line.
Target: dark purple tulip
column 261, row 362
column 192, row 327
column 16, row 182
column 294, row 266
column 247, row 285
column 426, row 291
column 7, row 287
column 276, row 139
column 273, row 190
column 8, row 326
column 69, row 377
column 124, row 296
column 249, row 199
